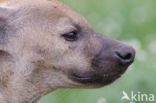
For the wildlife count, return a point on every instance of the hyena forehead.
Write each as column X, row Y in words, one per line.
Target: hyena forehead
column 51, row 7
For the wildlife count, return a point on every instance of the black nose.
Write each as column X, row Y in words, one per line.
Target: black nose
column 125, row 54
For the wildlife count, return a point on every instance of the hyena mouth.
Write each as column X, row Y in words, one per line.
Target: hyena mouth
column 86, row 78
column 94, row 78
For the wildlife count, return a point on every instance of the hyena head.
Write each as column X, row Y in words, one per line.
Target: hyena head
column 54, row 47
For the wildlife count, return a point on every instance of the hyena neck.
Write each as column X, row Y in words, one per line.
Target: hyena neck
column 30, row 97
column 18, row 85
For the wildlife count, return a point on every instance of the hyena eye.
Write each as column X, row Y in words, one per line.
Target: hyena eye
column 71, row 36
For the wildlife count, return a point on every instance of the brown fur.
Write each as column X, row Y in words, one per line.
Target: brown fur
column 35, row 59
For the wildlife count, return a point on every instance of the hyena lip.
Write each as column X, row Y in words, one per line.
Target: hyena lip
column 94, row 78
column 85, row 78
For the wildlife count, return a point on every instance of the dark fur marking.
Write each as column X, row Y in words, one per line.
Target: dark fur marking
column 3, row 29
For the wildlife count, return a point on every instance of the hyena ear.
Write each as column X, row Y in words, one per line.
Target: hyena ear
column 5, row 30
column 3, row 24
column 3, row 39
column 6, row 25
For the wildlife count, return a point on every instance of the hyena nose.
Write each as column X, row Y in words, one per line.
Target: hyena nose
column 124, row 54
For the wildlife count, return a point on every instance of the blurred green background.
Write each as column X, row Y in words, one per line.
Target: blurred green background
column 133, row 21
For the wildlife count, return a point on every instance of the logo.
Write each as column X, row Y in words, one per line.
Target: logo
column 137, row 97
